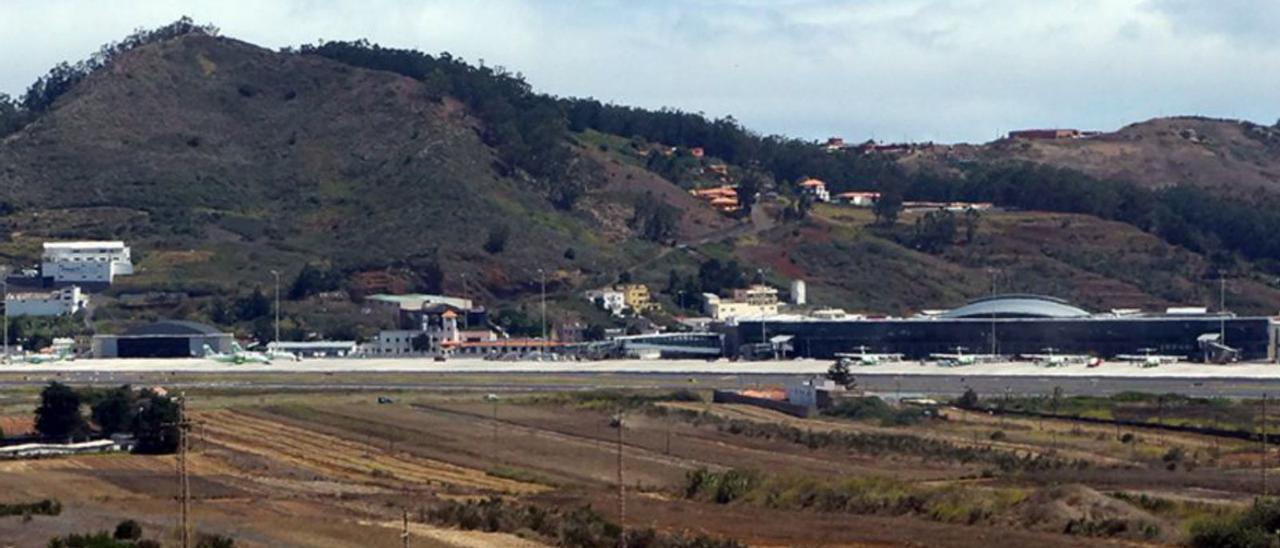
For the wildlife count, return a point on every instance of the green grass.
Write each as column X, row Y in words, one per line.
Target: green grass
column 519, row 474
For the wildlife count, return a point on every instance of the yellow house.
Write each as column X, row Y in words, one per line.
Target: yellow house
column 636, row 297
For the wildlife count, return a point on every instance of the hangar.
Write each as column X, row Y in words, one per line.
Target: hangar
column 1021, row 324
column 162, row 339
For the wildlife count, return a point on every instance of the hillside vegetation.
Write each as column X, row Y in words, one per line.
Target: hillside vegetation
column 220, row 161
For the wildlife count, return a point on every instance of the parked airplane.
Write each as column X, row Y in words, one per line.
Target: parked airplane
column 960, row 358
column 282, row 355
column 237, row 356
column 864, row 359
column 62, row 355
column 1147, row 359
column 1052, row 359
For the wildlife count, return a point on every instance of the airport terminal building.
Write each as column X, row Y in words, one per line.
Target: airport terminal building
column 1011, row 325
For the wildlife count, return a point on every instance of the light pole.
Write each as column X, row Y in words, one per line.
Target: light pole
column 993, row 273
column 542, row 276
column 1222, row 309
column 466, row 294
column 276, row 273
column 4, row 279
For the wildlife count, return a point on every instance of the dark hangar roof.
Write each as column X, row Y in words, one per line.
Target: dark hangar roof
column 174, row 328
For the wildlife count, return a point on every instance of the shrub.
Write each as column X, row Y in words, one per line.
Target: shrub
column 46, row 507
column 215, row 541
column 998, row 435
column 128, row 530
column 1249, row 529
column 908, row 416
column 496, row 242
column 968, row 400
column 581, row 527
column 865, row 408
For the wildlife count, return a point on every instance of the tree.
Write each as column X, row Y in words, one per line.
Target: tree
column 497, row 239
column 839, row 373
column 748, row 188
column 972, row 218
column 114, row 412
column 58, row 416
column 128, row 530
column 888, row 207
column 156, row 424
column 313, row 279
column 593, row 332
column 968, row 400
column 654, row 220
column 420, row 343
column 252, row 306
column 431, row 276
column 934, row 232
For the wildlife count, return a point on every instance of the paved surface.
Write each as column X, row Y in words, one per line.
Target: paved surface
column 886, row 384
column 905, row 379
column 420, row 365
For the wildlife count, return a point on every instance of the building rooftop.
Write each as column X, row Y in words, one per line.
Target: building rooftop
column 311, row 344
column 1017, row 306
column 84, row 244
column 172, row 327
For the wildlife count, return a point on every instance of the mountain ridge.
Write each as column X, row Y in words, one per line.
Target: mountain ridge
column 221, row 161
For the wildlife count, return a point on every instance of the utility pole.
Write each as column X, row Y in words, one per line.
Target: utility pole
column 276, row 274
column 493, row 449
column 184, row 480
column 622, row 490
column 542, row 275
column 404, row 532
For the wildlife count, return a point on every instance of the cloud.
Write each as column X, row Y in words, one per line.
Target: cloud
column 944, row 70
column 1247, row 22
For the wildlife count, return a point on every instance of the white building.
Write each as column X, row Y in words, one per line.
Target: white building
column 858, row 199
column 609, row 299
column 417, row 301
column 798, row 297
column 757, row 294
column 438, row 338
column 805, row 391
column 98, row 262
column 315, row 349
column 759, row 300
column 61, row 302
column 816, row 189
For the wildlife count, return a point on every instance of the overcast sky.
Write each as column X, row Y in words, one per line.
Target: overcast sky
column 941, row 70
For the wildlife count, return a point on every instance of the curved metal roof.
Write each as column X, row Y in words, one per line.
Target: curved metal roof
column 1017, row 306
column 173, row 327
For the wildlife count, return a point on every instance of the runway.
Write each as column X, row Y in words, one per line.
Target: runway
column 885, row 384
column 1110, row 370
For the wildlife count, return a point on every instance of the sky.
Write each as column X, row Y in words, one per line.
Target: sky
column 891, row 70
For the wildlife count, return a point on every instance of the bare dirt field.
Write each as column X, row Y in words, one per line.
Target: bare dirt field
column 340, row 469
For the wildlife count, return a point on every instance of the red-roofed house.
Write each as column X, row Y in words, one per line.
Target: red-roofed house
column 815, row 188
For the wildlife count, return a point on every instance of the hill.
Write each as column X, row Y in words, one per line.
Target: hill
column 1229, row 155
column 221, row 161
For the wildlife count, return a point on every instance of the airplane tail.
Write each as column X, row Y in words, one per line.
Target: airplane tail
column 235, row 347
column 208, row 351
